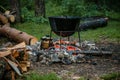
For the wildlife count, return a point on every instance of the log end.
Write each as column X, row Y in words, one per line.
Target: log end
column 32, row 41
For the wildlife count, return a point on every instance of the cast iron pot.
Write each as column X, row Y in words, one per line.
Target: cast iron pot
column 64, row 25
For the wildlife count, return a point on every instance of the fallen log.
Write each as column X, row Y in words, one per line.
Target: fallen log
column 3, row 19
column 17, row 35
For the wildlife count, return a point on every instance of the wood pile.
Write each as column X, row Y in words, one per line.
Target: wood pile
column 13, row 61
column 12, row 33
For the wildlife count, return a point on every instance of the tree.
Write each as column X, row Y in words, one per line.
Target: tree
column 15, row 6
column 40, row 8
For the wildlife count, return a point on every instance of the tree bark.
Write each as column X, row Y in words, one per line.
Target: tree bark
column 15, row 6
column 40, row 8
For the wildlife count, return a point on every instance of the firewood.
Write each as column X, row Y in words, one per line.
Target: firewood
column 26, row 62
column 17, row 35
column 18, row 46
column 2, row 67
column 24, row 67
column 7, row 12
column 3, row 19
column 5, row 53
column 13, row 66
column 20, row 55
column 9, row 75
column 8, row 52
column 10, row 17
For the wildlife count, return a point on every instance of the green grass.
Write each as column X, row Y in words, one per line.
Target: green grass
column 37, row 76
column 37, row 30
column 111, row 76
column 112, row 31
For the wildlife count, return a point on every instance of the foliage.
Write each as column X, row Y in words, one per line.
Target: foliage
column 29, row 4
column 53, row 9
column 80, row 7
column 111, row 76
column 28, row 16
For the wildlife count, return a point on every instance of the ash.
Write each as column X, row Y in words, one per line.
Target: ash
column 49, row 51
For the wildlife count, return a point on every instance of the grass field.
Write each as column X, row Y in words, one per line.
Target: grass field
column 111, row 31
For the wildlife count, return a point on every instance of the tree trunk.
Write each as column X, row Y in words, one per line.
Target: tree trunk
column 15, row 6
column 40, row 8
column 17, row 35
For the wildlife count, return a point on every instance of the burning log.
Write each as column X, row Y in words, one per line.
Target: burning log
column 17, row 35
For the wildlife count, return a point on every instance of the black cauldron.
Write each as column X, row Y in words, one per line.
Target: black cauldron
column 64, row 25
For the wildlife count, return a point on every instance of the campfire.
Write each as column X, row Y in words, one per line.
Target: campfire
column 50, row 50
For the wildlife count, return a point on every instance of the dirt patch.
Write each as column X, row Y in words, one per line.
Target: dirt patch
column 90, row 70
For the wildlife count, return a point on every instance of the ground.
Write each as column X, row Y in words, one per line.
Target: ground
column 91, row 69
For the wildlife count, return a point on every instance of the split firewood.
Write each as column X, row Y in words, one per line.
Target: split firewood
column 8, row 50
column 16, row 58
column 9, row 75
column 18, row 46
column 3, row 19
column 5, row 53
column 25, row 65
column 17, row 35
column 13, row 65
column 10, row 17
column 2, row 67
column 7, row 12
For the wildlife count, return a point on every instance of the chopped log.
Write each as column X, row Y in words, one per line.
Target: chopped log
column 16, row 63
column 7, row 12
column 2, row 67
column 11, row 18
column 5, row 53
column 9, row 75
column 13, row 66
column 8, row 52
column 25, row 65
column 17, row 35
column 3, row 19
column 18, row 46
column 20, row 55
